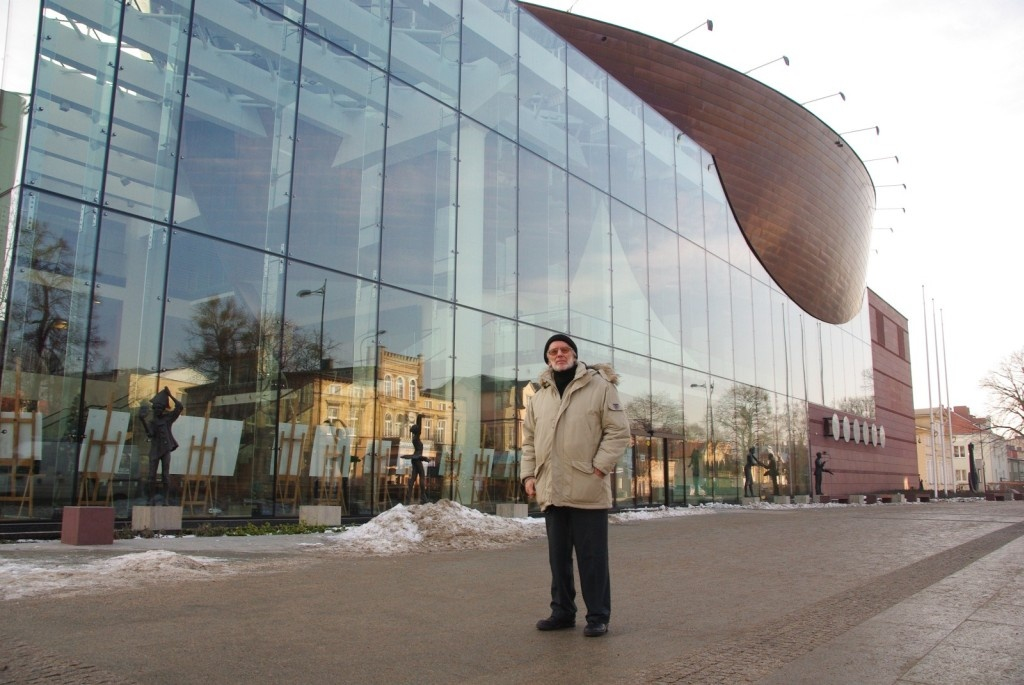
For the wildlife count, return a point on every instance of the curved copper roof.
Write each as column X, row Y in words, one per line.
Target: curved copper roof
column 804, row 203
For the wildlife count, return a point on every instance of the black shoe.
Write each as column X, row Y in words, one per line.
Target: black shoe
column 595, row 629
column 552, row 623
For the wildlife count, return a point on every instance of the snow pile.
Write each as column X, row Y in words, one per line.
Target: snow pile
column 434, row 527
column 64, row 576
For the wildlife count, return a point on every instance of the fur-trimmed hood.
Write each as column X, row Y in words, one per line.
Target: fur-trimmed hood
column 605, row 371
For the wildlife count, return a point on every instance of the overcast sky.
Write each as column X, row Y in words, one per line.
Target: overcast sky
column 944, row 82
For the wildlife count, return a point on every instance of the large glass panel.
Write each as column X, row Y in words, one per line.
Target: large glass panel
column 72, row 99
column 796, row 356
column 716, row 210
column 719, row 318
column 223, row 340
column 630, row 295
column 486, row 259
column 543, row 244
column 812, row 362
column 626, row 138
column 689, row 195
column 694, row 288
column 362, row 27
column 124, row 351
column 698, row 392
column 588, row 120
column 234, row 180
column 659, row 165
column 590, row 288
column 542, row 115
column 782, row 344
column 48, row 340
column 635, row 481
column 828, row 384
column 667, row 420
column 666, row 324
column 420, row 186
column 764, row 337
column 147, row 110
column 742, row 327
column 487, row 402
column 425, row 46
column 327, row 359
column 416, row 344
column 339, row 157
column 490, row 36
column 739, row 251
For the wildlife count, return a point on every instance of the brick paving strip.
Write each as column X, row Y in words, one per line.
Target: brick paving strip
column 753, row 654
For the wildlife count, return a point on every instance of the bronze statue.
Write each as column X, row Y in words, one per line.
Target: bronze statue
column 161, row 440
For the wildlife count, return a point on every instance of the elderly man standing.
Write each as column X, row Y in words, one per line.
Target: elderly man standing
column 574, row 433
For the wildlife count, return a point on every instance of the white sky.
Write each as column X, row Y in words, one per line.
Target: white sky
column 944, row 82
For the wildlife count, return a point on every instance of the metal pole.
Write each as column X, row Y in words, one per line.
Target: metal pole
column 931, row 413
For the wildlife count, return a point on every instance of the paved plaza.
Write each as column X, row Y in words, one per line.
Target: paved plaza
column 895, row 593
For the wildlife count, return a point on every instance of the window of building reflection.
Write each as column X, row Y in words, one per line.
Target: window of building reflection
column 488, row 165
column 490, row 34
column 630, row 287
column 626, row 142
column 542, row 258
column 587, row 86
column 542, row 115
column 68, row 134
column 425, row 46
column 144, row 129
column 239, row 124
column 418, row 240
column 339, row 161
column 590, row 289
column 48, row 340
column 488, row 399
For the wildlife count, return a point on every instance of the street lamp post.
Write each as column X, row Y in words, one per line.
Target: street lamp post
column 709, row 389
column 322, row 292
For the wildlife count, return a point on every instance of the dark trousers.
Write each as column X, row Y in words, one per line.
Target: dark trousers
column 164, row 462
column 586, row 532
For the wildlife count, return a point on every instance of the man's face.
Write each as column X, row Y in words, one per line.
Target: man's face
column 560, row 356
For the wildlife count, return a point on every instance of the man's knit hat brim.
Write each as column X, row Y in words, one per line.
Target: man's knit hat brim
column 563, row 338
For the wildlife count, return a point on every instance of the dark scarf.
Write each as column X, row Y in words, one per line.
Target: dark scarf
column 563, row 378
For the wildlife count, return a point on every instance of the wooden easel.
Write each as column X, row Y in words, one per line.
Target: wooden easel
column 288, row 485
column 16, row 464
column 332, row 483
column 197, row 481
column 93, row 476
column 451, row 476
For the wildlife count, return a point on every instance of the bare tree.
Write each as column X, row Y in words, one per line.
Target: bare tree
column 1005, row 386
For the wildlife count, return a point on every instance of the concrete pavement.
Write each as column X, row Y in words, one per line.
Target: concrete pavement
column 911, row 593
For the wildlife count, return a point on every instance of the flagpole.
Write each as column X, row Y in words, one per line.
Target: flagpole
column 931, row 411
column 949, row 407
column 938, row 389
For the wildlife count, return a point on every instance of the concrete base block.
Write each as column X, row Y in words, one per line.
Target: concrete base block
column 858, row 499
column 748, row 501
column 320, row 514
column 801, row 499
column 821, row 499
column 899, row 498
column 87, row 526
column 513, row 510
column 781, row 499
column 156, row 518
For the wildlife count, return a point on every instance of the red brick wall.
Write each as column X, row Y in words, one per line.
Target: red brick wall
column 864, row 468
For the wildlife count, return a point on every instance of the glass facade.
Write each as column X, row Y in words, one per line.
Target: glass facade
column 317, row 222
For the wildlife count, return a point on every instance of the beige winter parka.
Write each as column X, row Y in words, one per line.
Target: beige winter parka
column 567, row 437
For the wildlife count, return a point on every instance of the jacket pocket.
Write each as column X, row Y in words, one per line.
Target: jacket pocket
column 587, row 487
